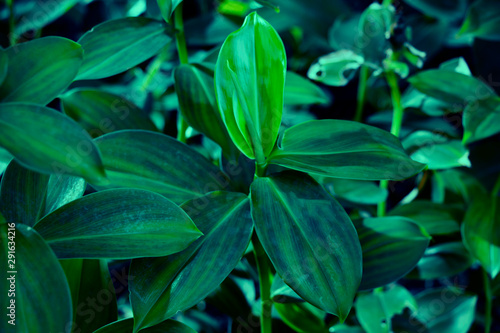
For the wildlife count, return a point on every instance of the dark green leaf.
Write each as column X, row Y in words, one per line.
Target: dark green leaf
column 281, row 293
column 249, row 85
column 118, row 224
column 482, row 20
column 302, row 317
column 481, row 119
column 62, row 190
column 47, row 141
column 127, row 326
column 167, row 8
column 309, row 238
column 163, row 286
column 336, row 69
column 4, row 65
column 114, row 46
column 100, row 112
column 301, row 91
column 344, row 149
column 40, row 69
column 358, row 191
column 5, row 158
column 443, row 10
column 159, row 163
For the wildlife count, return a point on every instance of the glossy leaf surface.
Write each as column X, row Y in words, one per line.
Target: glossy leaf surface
column 336, row 69
column 301, row 91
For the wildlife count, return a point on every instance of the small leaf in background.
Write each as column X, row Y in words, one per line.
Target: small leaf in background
column 309, row 238
column 118, row 224
column 100, row 112
column 167, row 8
column 42, row 296
column 127, row 326
column 376, row 310
column 442, row 10
column 282, row 293
column 336, row 69
column 482, row 20
column 441, row 261
column 302, row 317
column 481, row 119
column 445, row 310
column 115, row 46
column 163, row 286
column 437, row 151
column 53, row 64
column 344, row 149
column 156, row 162
column 301, row 91
column 481, row 232
column 4, row 65
column 47, row 141
column 391, row 247
column 357, row 191
column 249, row 85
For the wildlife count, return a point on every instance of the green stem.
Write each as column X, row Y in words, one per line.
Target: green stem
column 363, row 77
column 265, row 276
column 496, row 188
column 180, row 40
column 260, row 169
column 488, row 307
column 12, row 22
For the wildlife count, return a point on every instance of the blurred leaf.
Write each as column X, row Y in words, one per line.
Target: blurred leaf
column 282, row 293
column 344, row 149
column 375, row 310
column 41, row 293
column 4, row 66
column 249, row 85
column 163, row 286
column 357, row 191
column 114, row 46
column 391, row 247
column 159, row 163
column 100, row 112
column 230, row 299
column 446, row 310
column 482, row 20
column 40, row 69
column 302, row 317
column 336, row 69
column 127, row 326
column 309, row 238
column 481, row 119
column 442, row 10
column 47, row 141
column 5, row 158
column 301, row 91
column 167, row 8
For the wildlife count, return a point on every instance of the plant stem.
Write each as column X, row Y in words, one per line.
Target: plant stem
column 496, row 188
column 488, row 307
column 264, row 270
column 260, row 169
column 180, row 40
column 397, row 120
column 12, row 22
column 363, row 77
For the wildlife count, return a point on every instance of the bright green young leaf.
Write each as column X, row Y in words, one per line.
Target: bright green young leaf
column 249, row 85
column 281, row 293
column 47, row 141
column 118, row 224
column 481, row 232
column 90, row 279
column 446, row 310
column 42, row 297
column 375, row 310
column 391, row 247
column 163, row 286
column 4, row 65
column 100, row 112
column 302, row 317
column 481, row 119
column 127, row 326
column 194, row 85
column 301, row 91
column 40, row 69
column 167, row 8
column 156, row 162
column 357, row 191
column 114, row 46
column 336, row 69
column 482, row 20
column 309, row 238
column 344, row 149
column 442, row 10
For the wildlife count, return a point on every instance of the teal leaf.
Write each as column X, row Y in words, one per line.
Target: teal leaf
column 167, row 8
column 482, row 20
column 4, row 65
column 282, row 293
column 442, row 10
column 336, row 69
column 40, row 69
column 127, row 326
column 344, row 149
column 309, row 238
column 301, row 91
column 163, row 286
column 118, row 224
column 481, row 119
column 302, row 317
column 357, row 191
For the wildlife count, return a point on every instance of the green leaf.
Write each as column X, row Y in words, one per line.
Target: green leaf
column 249, row 85
column 194, row 85
column 42, row 298
column 282, row 293
column 100, row 112
column 118, row 224
column 309, row 238
column 344, row 149
column 446, row 310
column 167, row 8
column 301, row 91
column 47, row 141
column 159, row 163
column 442, row 10
column 435, row 218
column 336, row 69
column 40, row 69
column 89, row 279
column 4, row 66
column 163, row 286
column 481, row 232
column 302, row 317
column 357, row 191
column 481, row 119
column 115, row 46
column 62, row 190
column 441, row 261
column 5, row 158
column 391, row 246
column 127, row 326
column 482, row 20
column 375, row 310
column 450, row 86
